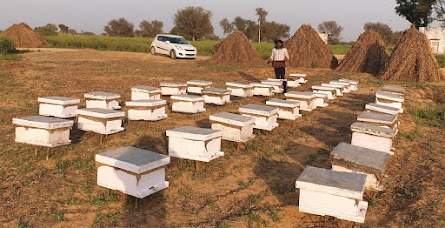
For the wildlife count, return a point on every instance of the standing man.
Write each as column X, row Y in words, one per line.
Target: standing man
column 278, row 58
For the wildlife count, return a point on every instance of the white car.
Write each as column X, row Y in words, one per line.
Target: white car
column 173, row 46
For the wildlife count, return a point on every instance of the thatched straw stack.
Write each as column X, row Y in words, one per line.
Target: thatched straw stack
column 413, row 60
column 236, row 50
column 24, row 36
column 368, row 55
column 306, row 49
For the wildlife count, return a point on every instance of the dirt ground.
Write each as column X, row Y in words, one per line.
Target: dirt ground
column 253, row 185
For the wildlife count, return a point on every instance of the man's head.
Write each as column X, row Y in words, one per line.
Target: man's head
column 279, row 43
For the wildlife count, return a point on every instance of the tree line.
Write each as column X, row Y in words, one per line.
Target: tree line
column 194, row 23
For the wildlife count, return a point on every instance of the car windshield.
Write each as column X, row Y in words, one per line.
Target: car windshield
column 178, row 40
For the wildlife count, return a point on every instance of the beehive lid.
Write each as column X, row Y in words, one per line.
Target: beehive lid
column 232, row 119
column 102, row 95
column 59, row 100
column 239, row 85
column 359, row 159
column 374, row 117
column 344, row 184
column 216, row 91
column 199, row 83
column 146, row 89
column 393, row 89
column 277, row 79
column 298, row 75
column 42, row 122
column 302, row 95
column 389, row 96
column 258, row 109
column 323, row 88
column 332, row 85
column 270, row 82
column 283, row 103
column 194, row 133
column 262, row 85
column 172, row 84
column 133, row 159
column 382, row 108
column 320, row 95
column 351, row 82
column 146, row 103
column 373, row 130
column 339, row 83
column 186, row 97
column 100, row 113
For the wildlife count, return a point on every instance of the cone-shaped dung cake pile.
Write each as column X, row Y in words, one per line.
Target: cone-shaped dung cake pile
column 306, row 49
column 24, row 36
column 367, row 55
column 237, row 50
column 413, row 60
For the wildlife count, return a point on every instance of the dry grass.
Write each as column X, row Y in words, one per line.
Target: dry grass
column 253, row 185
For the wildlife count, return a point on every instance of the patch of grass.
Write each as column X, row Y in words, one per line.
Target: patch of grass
column 106, row 220
column 11, row 57
column 340, row 49
column 433, row 116
column 412, row 135
column 440, row 59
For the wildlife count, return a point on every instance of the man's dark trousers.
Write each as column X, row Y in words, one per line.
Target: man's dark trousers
column 280, row 73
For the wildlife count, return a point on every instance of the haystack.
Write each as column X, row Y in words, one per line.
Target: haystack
column 306, row 49
column 237, row 50
column 368, row 55
column 413, row 60
column 24, row 36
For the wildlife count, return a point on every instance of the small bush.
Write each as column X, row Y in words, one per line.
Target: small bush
column 6, row 45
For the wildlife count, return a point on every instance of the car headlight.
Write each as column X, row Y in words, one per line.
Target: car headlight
column 179, row 48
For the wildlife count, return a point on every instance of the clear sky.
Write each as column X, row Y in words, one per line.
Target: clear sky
column 92, row 15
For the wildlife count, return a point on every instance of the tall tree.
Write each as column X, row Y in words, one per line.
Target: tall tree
column 193, row 22
column 275, row 31
column 383, row 29
column 63, row 28
column 150, row 29
column 418, row 12
column 119, row 27
column 47, row 30
column 332, row 28
column 262, row 17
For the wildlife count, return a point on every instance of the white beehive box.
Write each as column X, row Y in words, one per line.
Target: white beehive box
column 42, row 131
column 346, row 86
column 338, row 88
column 389, row 99
column 329, row 91
column 321, row 100
column 187, row 103
column 395, row 90
column 236, row 128
column 101, row 121
column 278, row 86
column 216, row 96
column 288, row 110
column 338, row 194
column 60, row 107
column 349, row 158
column 306, row 99
column 173, row 88
column 374, row 107
column 195, row 86
column 199, row 144
column 133, row 171
column 353, row 85
column 239, row 89
column 373, row 137
column 145, row 93
column 262, row 89
column 298, row 79
column 102, row 100
column 379, row 119
column 265, row 116
column 149, row 110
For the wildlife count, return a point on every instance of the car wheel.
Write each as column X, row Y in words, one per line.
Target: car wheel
column 153, row 51
column 173, row 54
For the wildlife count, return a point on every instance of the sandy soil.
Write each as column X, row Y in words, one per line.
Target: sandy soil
column 253, row 185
